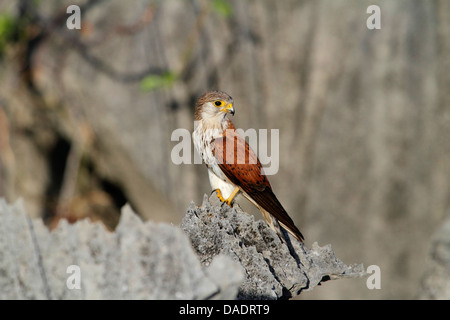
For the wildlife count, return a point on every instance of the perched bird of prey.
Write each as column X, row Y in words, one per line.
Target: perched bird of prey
column 238, row 169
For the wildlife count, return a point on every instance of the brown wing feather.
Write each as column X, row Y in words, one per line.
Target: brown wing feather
column 241, row 165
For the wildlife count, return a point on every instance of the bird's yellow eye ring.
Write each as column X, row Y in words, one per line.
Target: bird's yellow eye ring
column 218, row 103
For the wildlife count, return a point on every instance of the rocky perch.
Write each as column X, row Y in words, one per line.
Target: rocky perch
column 272, row 269
column 218, row 253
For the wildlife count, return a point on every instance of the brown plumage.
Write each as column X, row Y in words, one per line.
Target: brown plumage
column 236, row 168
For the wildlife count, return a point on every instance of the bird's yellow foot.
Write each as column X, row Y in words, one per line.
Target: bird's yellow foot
column 219, row 195
column 228, row 201
column 231, row 197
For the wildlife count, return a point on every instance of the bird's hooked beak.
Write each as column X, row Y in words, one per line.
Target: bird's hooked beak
column 229, row 108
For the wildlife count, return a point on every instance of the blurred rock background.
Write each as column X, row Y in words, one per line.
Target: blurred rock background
column 86, row 116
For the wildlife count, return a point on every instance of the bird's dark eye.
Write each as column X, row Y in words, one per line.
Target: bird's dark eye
column 218, row 103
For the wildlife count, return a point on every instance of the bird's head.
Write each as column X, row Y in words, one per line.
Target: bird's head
column 213, row 104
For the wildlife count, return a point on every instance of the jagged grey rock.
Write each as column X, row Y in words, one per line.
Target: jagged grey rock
column 137, row 261
column 436, row 279
column 222, row 254
column 273, row 269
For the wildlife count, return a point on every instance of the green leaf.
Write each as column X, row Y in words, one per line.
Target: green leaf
column 157, row 81
column 222, row 7
column 7, row 28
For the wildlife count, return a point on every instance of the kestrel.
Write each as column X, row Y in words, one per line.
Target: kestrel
column 238, row 169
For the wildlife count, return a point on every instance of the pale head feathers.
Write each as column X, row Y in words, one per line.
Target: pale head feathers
column 204, row 107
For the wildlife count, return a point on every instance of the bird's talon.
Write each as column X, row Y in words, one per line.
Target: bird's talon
column 231, row 197
column 219, row 195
